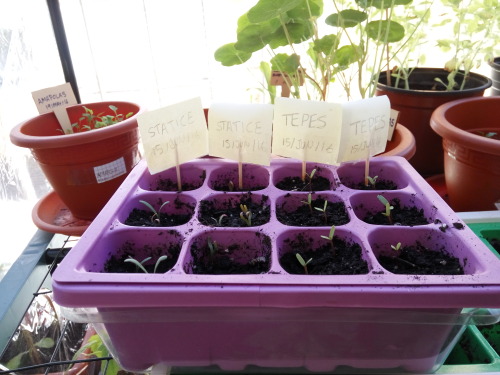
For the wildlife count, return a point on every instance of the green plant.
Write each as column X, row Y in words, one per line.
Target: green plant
column 155, row 217
column 302, row 262
column 212, row 247
column 353, row 49
column 323, row 209
column 89, row 120
column 474, row 37
column 387, row 206
column 396, row 247
column 371, row 181
column 309, row 202
column 246, row 215
column 218, row 222
column 330, row 237
column 96, row 348
column 140, row 265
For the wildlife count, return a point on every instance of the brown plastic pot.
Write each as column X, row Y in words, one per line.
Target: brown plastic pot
column 471, row 161
column 495, row 76
column 84, row 169
column 402, row 144
column 415, row 108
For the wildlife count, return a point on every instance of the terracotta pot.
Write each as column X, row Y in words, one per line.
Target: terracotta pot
column 495, row 76
column 415, row 108
column 472, row 162
column 402, row 144
column 84, row 169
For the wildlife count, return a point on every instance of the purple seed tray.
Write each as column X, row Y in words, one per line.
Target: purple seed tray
column 375, row 320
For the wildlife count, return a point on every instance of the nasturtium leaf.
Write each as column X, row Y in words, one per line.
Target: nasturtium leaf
column 285, row 63
column 265, row 10
column 326, row 44
column 306, row 9
column 345, row 56
column 45, row 343
column 296, row 31
column 385, row 4
column 253, row 37
column 228, row 55
column 385, row 31
column 346, row 18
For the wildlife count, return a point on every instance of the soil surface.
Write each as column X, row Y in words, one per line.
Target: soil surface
column 295, row 183
column 130, row 250
column 343, row 259
column 226, row 213
column 146, row 218
column 420, row 260
column 170, row 185
column 305, row 215
column 235, row 259
column 379, row 185
column 407, row 216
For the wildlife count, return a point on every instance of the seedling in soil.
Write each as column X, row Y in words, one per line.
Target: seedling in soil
column 213, row 247
column 309, row 178
column 323, row 210
column 218, row 222
column 89, row 121
column 246, row 215
column 302, row 262
column 330, row 237
column 140, row 265
column 387, row 206
column 371, row 181
column 309, row 202
column 230, row 185
column 156, row 213
column 396, row 247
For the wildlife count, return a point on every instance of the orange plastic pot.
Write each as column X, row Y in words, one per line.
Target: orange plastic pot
column 415, row 108
column 84, row 169
column 471, row 161
column 402, row 144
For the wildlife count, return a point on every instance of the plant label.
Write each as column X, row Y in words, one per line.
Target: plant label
column 307, row 130
column 392, row 123
column 365, row 127
column 173, row 135
column 56, row 99
column 241, row 132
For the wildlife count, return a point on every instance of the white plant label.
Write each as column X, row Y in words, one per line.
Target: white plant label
column 110, row 171
column 56, row 99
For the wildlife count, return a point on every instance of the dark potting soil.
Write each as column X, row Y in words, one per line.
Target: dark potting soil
column 228, row 184
column 306, row 215
column 420, row 260
column 495, row 242
column 167, row 184
column 37, row 346
column 226, row 213
column 146, row 218
column 492, row 334
column 345, row 258
column 230, row 260
column 379, row 185
column 400, row 215
column 295, row 183
column 130, row 250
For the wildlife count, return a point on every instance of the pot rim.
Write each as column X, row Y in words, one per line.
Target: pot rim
column 440, row 124
column 21, row 139
column 486, row 83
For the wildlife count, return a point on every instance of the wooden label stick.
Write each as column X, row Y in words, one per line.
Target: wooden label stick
column 178, row 169
column 240, row 168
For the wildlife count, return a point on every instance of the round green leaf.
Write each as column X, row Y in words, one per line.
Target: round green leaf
column 253, row 37
column 306, row 10
column 346, row 18
column 297, row 31
column 385, row 4
column 385, row 31
column 326, row 44
column 228, row 55
column 265, row 10
column 346, row 56
column 285, row 63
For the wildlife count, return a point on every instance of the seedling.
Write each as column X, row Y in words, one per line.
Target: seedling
column 156, row 213
column 387, row 206
column 218, row 222
column 396, row 247
column 230, row 185
column 487, row 134
column 140, row 265
column 303, row 263
column 213, row 247
column 371, row 181
column 89, row 121
column 330, row 237
column 323, row 210
column 246, row 215
column 309, row 178
column 309, row 202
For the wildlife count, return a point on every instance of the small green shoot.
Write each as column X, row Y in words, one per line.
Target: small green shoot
column 323, row 210
column 89, row 120
column 387, row 206
column 218, row 222
column 487, row 134
column 303, row 263
column 330, row 236
column 140, row 265
column 309, row 202
column 156, row 213
column 213, row 247
column 371, row 181
column 246, row 215
column 309, row 178
column 396, row 247
column 230, row 185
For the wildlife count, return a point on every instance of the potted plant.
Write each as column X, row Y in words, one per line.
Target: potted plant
column 200, row 312
column 471, row 143
column 86, row 167
column 495, row 75
column 468, row 36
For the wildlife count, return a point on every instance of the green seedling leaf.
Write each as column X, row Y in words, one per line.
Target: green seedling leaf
column 228, row 55
column 385, row 31
column 160, row 259
column 138, row 264
column 285, row 63
column 397, row 247
column 45, row 343
column 346, row 18
column 302, row 262
column 266, row 10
